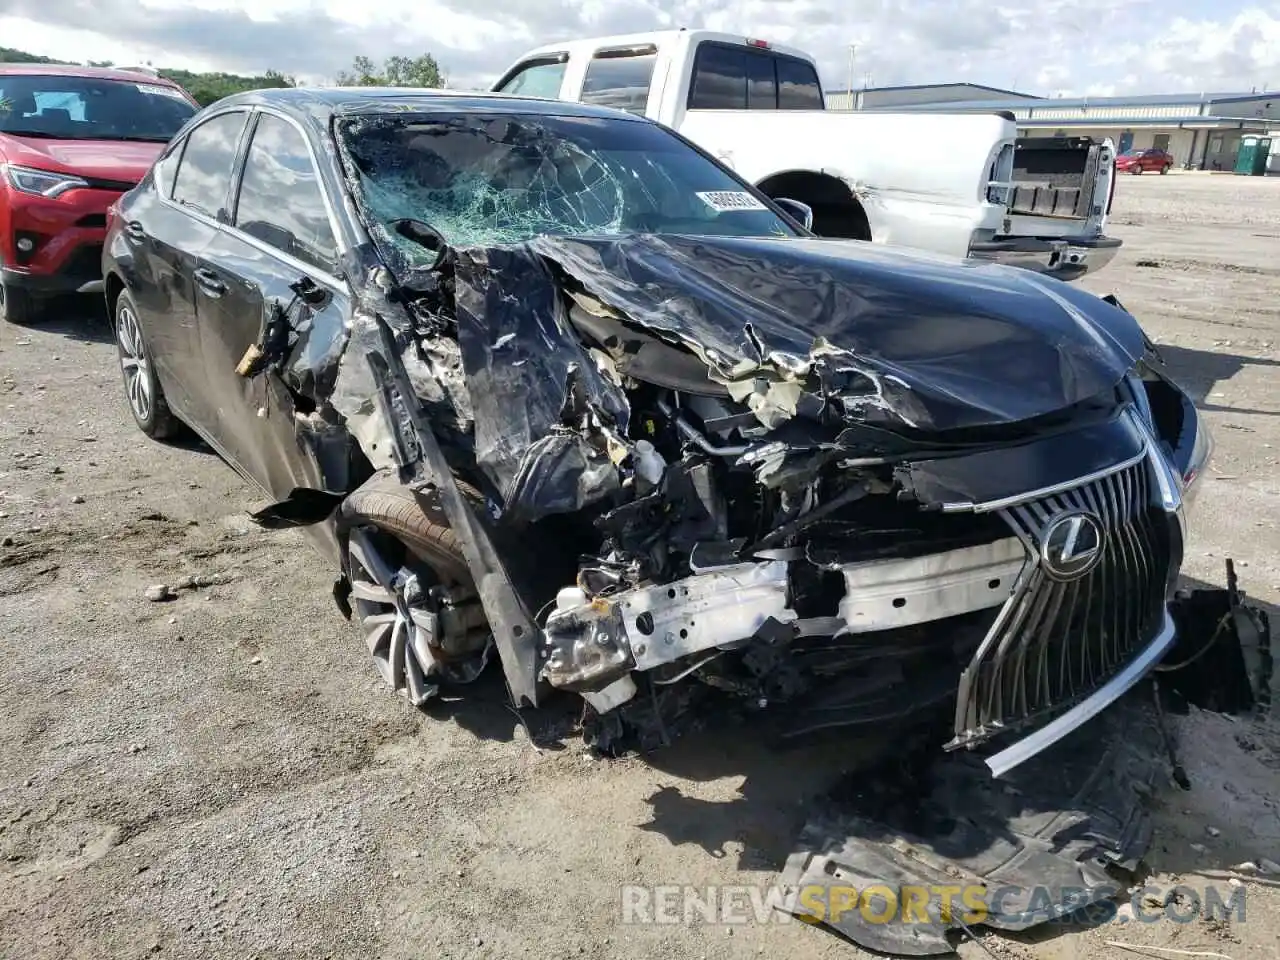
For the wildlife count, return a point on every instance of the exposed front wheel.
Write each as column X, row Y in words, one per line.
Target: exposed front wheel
column 1164, row 170
column 411, row 594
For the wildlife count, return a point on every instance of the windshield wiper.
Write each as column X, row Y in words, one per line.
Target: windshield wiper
column 33, row 133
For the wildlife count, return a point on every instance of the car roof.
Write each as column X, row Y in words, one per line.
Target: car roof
column 87, row 73
column 320, row 104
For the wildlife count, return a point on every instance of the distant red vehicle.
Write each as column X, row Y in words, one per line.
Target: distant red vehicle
column 72, row 140
column 1140, row 161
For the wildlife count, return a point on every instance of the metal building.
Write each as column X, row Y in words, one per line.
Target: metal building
column 1202, row 131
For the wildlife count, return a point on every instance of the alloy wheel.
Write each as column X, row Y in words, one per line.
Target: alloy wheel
column 134, row 363
column 399, row 627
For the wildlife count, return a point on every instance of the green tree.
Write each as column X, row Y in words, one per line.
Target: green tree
column 421, row 71
column 206, row 88
column 209, row 88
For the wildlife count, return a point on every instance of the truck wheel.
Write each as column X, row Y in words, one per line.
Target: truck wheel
column 19, row 307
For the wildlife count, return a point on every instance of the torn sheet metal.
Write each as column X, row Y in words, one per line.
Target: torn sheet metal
column 944, row 847
column 544, row 414
column 893, row 341
column 985, row 477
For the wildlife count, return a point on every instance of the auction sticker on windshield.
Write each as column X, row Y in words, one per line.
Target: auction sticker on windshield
column 159, row 90
column 723, row 201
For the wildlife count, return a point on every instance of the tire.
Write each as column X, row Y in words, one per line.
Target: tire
column 20, row 308
column 1137, row 170
column 142, row 389
column 408, row 652
column 1164, row 169
column 388, row 505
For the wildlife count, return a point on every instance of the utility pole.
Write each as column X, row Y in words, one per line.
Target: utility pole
column 852, row 48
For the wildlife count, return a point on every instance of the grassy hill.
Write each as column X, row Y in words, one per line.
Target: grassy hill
column 205, row 87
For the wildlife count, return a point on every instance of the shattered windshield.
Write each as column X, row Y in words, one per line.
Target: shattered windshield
column 491, row 180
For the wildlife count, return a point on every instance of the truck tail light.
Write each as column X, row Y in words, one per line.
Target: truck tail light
column 1000, row 182
column 762, row 44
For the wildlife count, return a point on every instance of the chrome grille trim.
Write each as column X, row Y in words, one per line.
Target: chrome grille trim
column 1057, row 642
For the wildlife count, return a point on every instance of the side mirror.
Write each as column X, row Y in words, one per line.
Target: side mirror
column 802, row 213
column 425, row 236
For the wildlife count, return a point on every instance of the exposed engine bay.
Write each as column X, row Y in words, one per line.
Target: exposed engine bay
column 774, row 524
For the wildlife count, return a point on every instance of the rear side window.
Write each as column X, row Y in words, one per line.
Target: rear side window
column 719, row 79
column 738, row 78
column 541, row 78
column 204, row 173
column 281, row 202
column 762, row 85
column 620, row 79
column 798, row 86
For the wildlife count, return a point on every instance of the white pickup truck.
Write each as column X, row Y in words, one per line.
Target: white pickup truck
column 957, row 184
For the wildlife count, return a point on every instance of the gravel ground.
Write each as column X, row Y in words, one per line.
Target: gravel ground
column 220, row 774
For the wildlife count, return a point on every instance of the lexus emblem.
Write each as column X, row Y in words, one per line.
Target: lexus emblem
column 1071, row 545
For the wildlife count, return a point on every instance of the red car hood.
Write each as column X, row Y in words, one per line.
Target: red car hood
column 126, row 161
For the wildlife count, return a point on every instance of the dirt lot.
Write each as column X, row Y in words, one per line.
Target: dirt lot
column 221, row 775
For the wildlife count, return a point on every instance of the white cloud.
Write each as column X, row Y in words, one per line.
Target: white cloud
column 1061, row 47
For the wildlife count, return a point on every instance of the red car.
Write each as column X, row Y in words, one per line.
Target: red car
column 72, row 139
column 1140, row 161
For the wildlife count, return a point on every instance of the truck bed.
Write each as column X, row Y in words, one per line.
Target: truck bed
column 1055, row 176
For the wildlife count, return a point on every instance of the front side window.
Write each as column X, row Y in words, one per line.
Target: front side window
column 485, row 180
column 620, row 79
column 204, row 172
column 538, row 79
column 281, row 201
column 88, row 108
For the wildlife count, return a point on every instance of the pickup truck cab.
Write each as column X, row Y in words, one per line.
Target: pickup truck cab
column 957, row 184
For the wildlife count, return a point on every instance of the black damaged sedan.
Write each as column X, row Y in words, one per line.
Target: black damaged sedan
column 551, row 383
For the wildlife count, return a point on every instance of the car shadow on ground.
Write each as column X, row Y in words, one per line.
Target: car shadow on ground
column 1200, row 372
column 80, row 317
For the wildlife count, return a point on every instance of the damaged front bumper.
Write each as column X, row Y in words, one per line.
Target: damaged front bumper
column 1062, row 642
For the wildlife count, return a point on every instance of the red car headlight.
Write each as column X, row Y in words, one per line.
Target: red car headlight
column 41, row 183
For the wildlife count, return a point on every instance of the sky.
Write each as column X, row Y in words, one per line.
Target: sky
column 1044, row 47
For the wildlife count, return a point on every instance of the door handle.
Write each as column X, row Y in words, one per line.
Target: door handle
column 208, row 281
column 135, row 231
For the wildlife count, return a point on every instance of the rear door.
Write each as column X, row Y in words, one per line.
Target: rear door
column 282, row 230
column 167, row 232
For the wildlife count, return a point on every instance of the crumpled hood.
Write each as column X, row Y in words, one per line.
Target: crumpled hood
column 904, row 339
